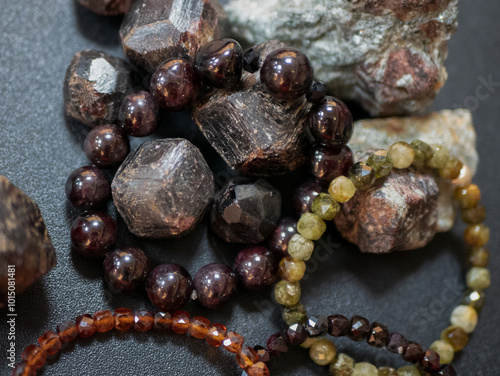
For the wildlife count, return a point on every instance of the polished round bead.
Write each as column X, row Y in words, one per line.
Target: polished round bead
column 445, row 351
column 381, row 163
column 338, row 325
column 106, row 146
column 331, row 122
column 451, row 169
column 317, row 92
column 169, row 287
column 362, row 175
column 413, row 352
column 35, row 356
column 104, row 321
column 247, row 357
column 300, row 248
column 440, row 156
column 181, row 321
column 328, row 162
column 343, row 365
column 287, row 293
column 455, row 336
column 292, row 270
column 474, row 215
column 281, row 235
column 256, row 267
column 478, row 256
column 360, row 328
column 175, row 84
column 464, row 317
column 295, row 314
column 402, row 154
column 138, row 114
column 287, row 73
column 379, row 335
column 477, row 235
column 342, row 189
column 310, row 226
column 325, row 207
column 251, row 60
column 233, row 342
column 316, row 326
column 124, row 319
column 220, row 63
column 86, row 326
column 304, row 196
column 323, row 352
column 67, row 331
column 431, row 361
column 423, row 153
column 143, row 321
column 216, row 335
column 198, row 327
column 276, row 345
column 474, row 299
column 214, row 284
column 296, row 334
column 468, row 197
column 162, row 321
column 125, row 268
column 365, row 369
column 88, row 188
column 478, row 278
column 93, row 234
column 397, row 343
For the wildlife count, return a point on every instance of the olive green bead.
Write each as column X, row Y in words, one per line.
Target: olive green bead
column 310, row 226
column 423, row 153
column 474, row 299
column 323, row 352
column 468, row 197
column 287, row 293
column 464, row 317
column 362, row 175
column 291, row 269
column 342, row 189
column 478, row 256
column 294, row 314
column 477, row 235
column 408, row 371
column 402, row 154
column 478, row 278
column 451, row 169
column 381, row 163
column 474, row 216
column 387, row 371
column 342, row 366
column 440, row 157
column 325, row 207
column 365, row 369
column 456, row 337
column 300, row 248
column 445, row 351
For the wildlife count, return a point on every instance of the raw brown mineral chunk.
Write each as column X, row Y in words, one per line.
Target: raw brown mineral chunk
column 107, row 7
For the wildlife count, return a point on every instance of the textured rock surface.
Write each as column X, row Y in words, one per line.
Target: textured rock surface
column 254, row 133
column 24, row 240
column 94, row 87
column 163, row 188
column 107, row 7
column 386, row 55
column 155, row 30
column 245, row 211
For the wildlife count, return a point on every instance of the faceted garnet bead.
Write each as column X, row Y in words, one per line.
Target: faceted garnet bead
column 360, row 328
column 106, row 146
column 104, row 321
column 317, row 92
column 169, row 287
column 220, row 63
column 138, row 114
column 181, row 322
column 338, row 325
column 67, row 331
column 276, row 345
column 216, row 335
column 50, row 342
column 93, row 234
column 124, row 319
column 162, row 321
column 125, row 268
column 281, row 235
column 263, row 353
column 256, row 267
column 214, row 284
column 413, row 352
column 362, row 175
column 328, row 162
column 446, row 371
column 316, row 326
column 251, row 60
column 247, row 357
column 198, row 327
column 330, row 122
column 430, row 361
column 35, row 356
column 304, row 196
column 379, row 335
column 233, row 342
column 143, row 321
column 88, row 188
column 175, row 84
column 286, row 73
column 397, row 343
column 86, row 326
column 296, row 334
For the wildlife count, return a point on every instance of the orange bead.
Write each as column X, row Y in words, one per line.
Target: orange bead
column 124, row 318
column 247, row 357
column 23, row 369
column 143, row 321
column 180, row 322
column 50, row 342
column 258, row 369
column 477, row 235
column 216, row 335
column 104, row 321
column 468, row 197
column 67, row 331
column 199, row 327
column 233, row 342
column 34, row 356
column 163, row 321
column 86, row 325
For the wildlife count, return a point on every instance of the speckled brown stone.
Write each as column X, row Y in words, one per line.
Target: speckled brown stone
column 24, row 240
column 405, row 10
column 107, row 7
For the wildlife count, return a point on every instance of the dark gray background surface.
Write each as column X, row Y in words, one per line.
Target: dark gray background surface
column 412, row 292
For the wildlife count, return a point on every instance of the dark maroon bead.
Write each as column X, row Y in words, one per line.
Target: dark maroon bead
column 276, row 345
column 125, row 268
column 316, row 326
column 379, row 335
column 175, row 84
column 397, row 343
column 330, row 122
column 106, row 146
column 430, row 361
column 93, row 234
column 286, row 73
column 304, row 196
column 328, row 162
column 317, row 92
column 413, row 352
column 296, row 334
column 220, row 63
column 251, row 60
column 262, row 353
column 257, row 267
column 88, row 188
column 447, row 370
column 360, row 328
column 169, row 287
column 214, row 284
column 338, row 325
column 138, row 114
column 281, row 235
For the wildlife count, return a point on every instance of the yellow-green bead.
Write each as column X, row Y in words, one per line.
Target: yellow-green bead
column 451, row 169
column 323, row 352
column 455, row 336
column 309, row 342
column 408, row 371
column 474, row 215
column 325, row 207
column 362, row 175
column 477, row 235
column 445, row 351
column 402, row 154
column 342, row 189
column 478, row 256
column 300, row 248
column 365, row 369
column 381, row 163
column 342, row 366
column 423, row 153
column 478, row 278
column 292, row 270
column 474, row 298
column 294, row 314
column 287, row 293
column 464, row 317
column 310, row 226
column 468, row 197
column 440, row 157
column 387, row 371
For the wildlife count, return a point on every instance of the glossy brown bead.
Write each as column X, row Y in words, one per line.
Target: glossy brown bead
column 50, row 342
column 125, row 268
column 447, row 370
column 180, row 322
column 35, row 356
column 338, row 325
column 86, row 326
column 316, row 326
column 328, row 162
column 397, row 343
column 430, row 361
column 67, row 331
column 175, row 84
column 296, row 334
column 198, row 327
column 413, row 353
column 106, row 146
column 169, row 287
column 331, row 122
column 215, row 284
column 304, row 196
column 104, row 321
column 379, row 335
column 281, row 235
column 138, row 114
column 256, row 267
column 220, row 63
column 93, row 234
column 162, row 321
column 216, row 335
column 474, row 215
column 88, row 188
column 263, row 354
column 143, row 321
column 360, row 328
column 286, row 73
column 276, row 345
column 124, row 319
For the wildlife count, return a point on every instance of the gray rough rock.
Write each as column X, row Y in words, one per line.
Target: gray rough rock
column 163, row 188
column 387, row 55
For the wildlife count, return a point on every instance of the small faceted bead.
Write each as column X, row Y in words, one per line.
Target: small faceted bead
column 316, row 326
column 309, row 342
column 317, row 92
column 106, row 146
column 163, row 321
column 362, row 175
column 330, row 122
column 365, row 369
column 233, row 342
column 342, row 189
column 124, row 319
column 215, row 284
column 342, row 366
column 423, row 153
column 478, row 278
column 287, row 293
column 251, row 60
column 104, row 321
column 474, row 215
column 431, row 361
column 397, row 343
column 360, row 328
column 408, row 371
column 34, row 356
column 445, row 351
column 295, row 314
column 23, row 369
column 300, row 248
column 413, row 352
column 465, row 177
column 216, row 335
column 338, row 325
column 474, row 299
column 198, row 327
column 477, row 235
column 292, row 270
column 304, row 196
column 276, row 345
column 456, row 337
column 286, row 73
column 464, row 317
column 381, row 163
column 311, row 226
column 50, row 342
column 446, row 371
column 88, row 188
column 325, row 207
column 143, row 321
column 67, row 331
column 247, row 357
column 328, row 162
column 175, row 84
column 468, row 197
column 440, row 156
column 281, row 235
column 138, row 114
column 451, row 169
column 402, row 154
column 125, row 268
column 387, row 371
column 258, row 369
column 169, row 287
column 181, row 322
column 93, row 234
column 478, row 256
column 323, row 352
column 86, row 326
column 257, row 267
column 379, row 335
column 262, row 353
column 296, row 334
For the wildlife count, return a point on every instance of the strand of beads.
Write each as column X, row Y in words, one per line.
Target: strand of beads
column 180, row 322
